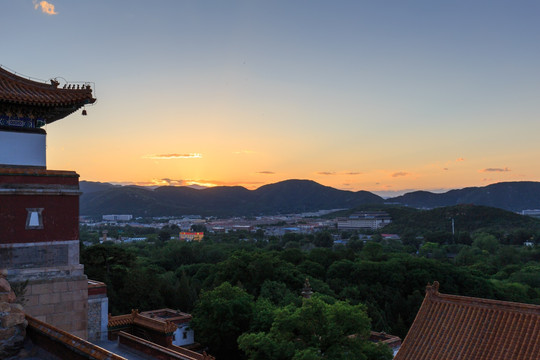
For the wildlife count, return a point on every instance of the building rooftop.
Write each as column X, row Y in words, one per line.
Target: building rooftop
column 49, row 101
column 452, row 327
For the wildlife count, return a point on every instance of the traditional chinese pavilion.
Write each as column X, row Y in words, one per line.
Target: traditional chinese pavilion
column 39, row 208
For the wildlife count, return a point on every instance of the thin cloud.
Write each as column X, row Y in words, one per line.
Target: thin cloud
column 173, row 182
column 173, row 156
column 460, row 159
column 353, row 173
column 266, row 172
column 495, row 170
column 446, row 169
column 244, row 152
column 400, row 173
column 45, row 6
column 326, row 173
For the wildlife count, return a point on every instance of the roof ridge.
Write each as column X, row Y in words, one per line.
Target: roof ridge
column 14, row 76
column 433, row 294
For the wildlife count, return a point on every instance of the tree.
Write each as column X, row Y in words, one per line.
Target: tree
column 220, row 316
column 315, row 330
column 323, row 239
column 486, row 242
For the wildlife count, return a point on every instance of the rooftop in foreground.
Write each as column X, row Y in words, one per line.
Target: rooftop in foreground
column 451, row 327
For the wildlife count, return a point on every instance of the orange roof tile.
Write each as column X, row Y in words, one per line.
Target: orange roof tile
column 17, row 90
column 452, row 327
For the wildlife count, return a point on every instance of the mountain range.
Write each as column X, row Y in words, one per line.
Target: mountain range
column 289, row 196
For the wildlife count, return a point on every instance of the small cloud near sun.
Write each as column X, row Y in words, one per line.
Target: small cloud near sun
column 326, row 173
column 244, row 152
column 266, row 172
column 173, row 156
column 445, row 169
column 495, row 170
column 460, row 159
column 46, row 7
column 173, row 182
column 400, row 173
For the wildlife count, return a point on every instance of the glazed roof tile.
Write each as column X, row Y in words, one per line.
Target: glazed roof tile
column 18, row 90
column 452, row 327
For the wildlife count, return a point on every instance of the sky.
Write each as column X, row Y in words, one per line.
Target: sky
column 386, row 96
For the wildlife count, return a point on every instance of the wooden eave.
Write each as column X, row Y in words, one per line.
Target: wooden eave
column 57, row 102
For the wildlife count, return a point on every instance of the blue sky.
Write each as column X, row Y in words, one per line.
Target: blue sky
column 377, row 95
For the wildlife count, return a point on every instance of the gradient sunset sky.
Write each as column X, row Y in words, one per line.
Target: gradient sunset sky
column 381, row 95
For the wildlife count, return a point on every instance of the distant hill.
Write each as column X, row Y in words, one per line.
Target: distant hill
column 513, row 196
column 290, row 196
column 92, row 186
column 467, row 218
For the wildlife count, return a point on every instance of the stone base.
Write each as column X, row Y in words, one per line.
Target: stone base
column 61, row 302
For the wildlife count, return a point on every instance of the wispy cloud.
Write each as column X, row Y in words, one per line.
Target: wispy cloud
column 446, row 169
column 173, row 156
column 460, row 159
column 187, row 182
column 244, row 152
column 400, row 173
column 46, row 7
column 353, row 173
column 495, row 170
column 173, row 182
column 266, row 172
column 326, row 173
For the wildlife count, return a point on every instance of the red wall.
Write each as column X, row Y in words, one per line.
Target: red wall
column 60, row 211
column 60, row 218
column 30, row 176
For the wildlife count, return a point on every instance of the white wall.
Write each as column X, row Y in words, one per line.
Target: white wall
column 24, row 149
column 179, row 335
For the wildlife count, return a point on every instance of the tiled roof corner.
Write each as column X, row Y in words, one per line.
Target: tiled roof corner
column 452, row 327
column 19, row 91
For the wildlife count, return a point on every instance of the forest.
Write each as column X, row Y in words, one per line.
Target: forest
column 244, row 290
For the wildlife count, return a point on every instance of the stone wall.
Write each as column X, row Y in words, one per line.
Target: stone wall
column 61, row 302
column 12, row 322
column 98, row 306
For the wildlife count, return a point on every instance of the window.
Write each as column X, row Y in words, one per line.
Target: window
column 185, row 335
column 34, row 220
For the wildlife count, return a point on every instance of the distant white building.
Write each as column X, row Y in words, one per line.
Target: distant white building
column 365, row 220
column 532, row 212
column 117, row 217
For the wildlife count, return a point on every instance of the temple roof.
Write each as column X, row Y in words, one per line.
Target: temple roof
column 452, row 327
column 54, row 102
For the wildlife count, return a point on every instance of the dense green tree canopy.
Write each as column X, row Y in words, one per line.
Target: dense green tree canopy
column 315, row 330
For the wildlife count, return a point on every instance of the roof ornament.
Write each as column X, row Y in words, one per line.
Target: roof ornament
column 306, row 291
column 432, row 289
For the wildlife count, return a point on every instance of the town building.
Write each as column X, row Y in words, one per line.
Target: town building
column 191, row 236
column 184, row 334
column 155, row 333
column 117, row 217
column 365, row 221
column 452, row 327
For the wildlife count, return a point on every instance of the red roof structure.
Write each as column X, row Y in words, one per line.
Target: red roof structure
column 26, row 98
column 452, row 327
